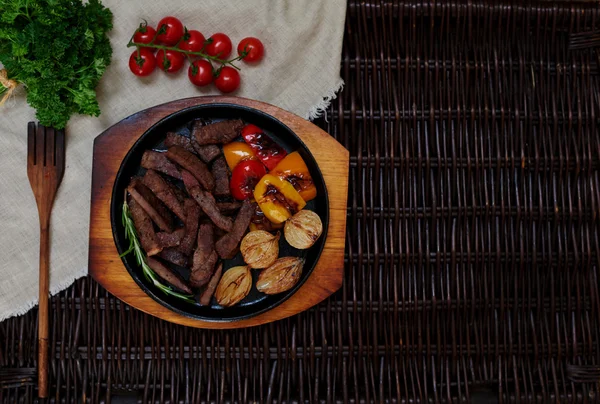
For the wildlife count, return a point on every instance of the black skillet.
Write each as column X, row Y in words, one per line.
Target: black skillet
column 255, row 303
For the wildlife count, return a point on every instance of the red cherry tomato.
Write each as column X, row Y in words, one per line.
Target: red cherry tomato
column 169, row 60
column 142, row 63
column 144, row 34
column 228, row 80
column 201, row 72
column 170, row 31
column 267, row 151
column 192, row 41
column 244, row 178
column 253, row 48
column 219, row 46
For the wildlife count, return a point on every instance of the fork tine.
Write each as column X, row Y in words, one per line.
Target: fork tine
column 49, row 156
column 31, row 144
column 59, row 155
column 40, row 145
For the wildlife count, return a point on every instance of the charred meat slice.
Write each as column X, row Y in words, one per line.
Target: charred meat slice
column 173, row 239
column 192, row 164
column 171, row 277
column 152, row 160
column 206, row 201
column 163, row 191
column 174, row 139
column 220, row 172
column 227, row 245
column 208, row 293
column 174, row 256
column 157, row 211
column 144, row 228
column 229, row 207
column 217, row 133
column 192, row 211
column 205, row 257
column 179, row 193
column 207, row 152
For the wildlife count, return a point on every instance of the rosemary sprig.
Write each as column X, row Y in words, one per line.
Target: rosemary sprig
column 140, row 257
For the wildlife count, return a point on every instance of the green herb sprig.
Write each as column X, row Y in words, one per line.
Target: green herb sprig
column 140, row 257
column 58, row 50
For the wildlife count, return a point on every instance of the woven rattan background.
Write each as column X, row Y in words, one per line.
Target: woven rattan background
column 472, row 265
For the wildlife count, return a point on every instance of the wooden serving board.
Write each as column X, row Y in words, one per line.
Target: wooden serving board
column 107, row 268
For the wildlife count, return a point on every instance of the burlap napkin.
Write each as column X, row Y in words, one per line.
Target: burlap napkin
column 300, row 73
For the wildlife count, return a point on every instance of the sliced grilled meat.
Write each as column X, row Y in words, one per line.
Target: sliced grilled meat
column 208, row 293
column 174, row 256
column 171, row 277
column 217, row 133
column 220, row 172
column 157, row 211
column 144, row 228
column 153, row 160
column 229, row 207
column 192, row 211
column 163, row 191
column 205, row 257
column 173, row 239
column 175, row 139
column 207, row 152
column 178, row 192
column 192, row 164
column 228, row 244
column 206, row 201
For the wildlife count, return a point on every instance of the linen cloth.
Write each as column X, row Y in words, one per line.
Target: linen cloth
column 300, row 73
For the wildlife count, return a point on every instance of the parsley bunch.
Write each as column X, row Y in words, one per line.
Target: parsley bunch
column 58, row 49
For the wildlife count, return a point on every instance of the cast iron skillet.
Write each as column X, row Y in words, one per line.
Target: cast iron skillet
column 256, row 302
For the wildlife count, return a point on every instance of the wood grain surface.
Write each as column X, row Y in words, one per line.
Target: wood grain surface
column 107, row 268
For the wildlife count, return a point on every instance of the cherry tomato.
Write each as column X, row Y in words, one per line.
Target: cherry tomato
column 192, row 41
column 201, row 72
column 169, row 60
column 244, row 178
column 170, row 31
column 219, row 46
column 228, row 80
column 253, row 48
column 267, row 151
column 142, row 64
column 144, row 34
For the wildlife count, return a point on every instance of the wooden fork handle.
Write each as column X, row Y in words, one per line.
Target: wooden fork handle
column 43, row 310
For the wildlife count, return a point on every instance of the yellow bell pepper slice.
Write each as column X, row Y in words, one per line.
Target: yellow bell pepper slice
column 294, row 170
column 237, row 151
column 277, row 198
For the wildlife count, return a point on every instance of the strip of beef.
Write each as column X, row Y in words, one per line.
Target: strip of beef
column 228, row 244
column 144, row 228
column 163, row 191
column 206, row 201
column 179, row 193
column 192, row 210
column 217, row 133
column 220, row 172
column 152, row 160
column 207, row 152
column 205, row 257
column 174, row 256
column 192, row 164
column 171, row 277
column 173, row 239
column 157, row 211
column 174, row 139
column 229, row 207
column 208, row 293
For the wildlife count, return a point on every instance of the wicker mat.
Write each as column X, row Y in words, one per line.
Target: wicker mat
column 473, row 236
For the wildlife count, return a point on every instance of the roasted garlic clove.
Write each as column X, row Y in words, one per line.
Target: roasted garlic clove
column 303, row 229
column 281, row 276
column 234, row 286
column 260, row 248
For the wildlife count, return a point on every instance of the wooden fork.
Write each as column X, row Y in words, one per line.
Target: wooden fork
column 45, row 169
